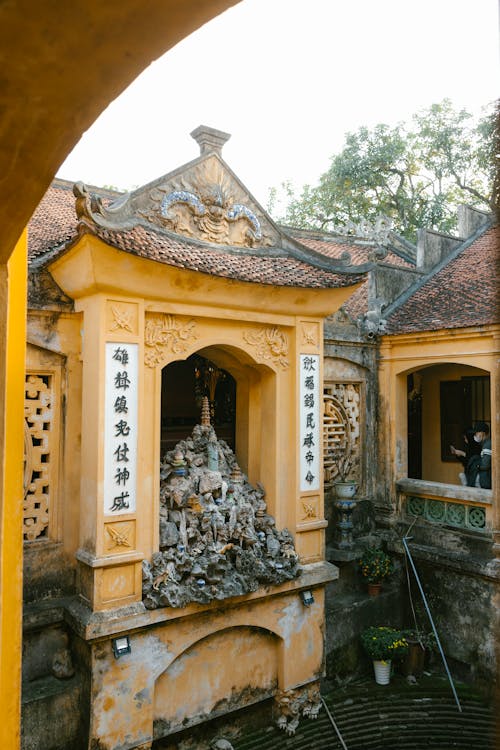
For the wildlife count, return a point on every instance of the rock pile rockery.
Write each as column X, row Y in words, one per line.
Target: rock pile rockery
column 217, row 539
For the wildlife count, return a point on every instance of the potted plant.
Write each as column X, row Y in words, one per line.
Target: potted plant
column 382, row 645
column 343, row 462
column 375, row 566
column 420, row 644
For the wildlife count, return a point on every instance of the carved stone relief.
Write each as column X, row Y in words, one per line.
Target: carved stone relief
column 122, row 316
column 310, row 334
column 341, row 425
column 309, row 509
column 290, row 705
column 119, row 536
column 38, row 413
column 167, row 333
column 271, row 345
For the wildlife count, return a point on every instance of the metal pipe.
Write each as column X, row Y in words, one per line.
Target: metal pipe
column 334, row 724
column 443, row 657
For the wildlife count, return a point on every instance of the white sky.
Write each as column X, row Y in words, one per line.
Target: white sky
column 288, row 78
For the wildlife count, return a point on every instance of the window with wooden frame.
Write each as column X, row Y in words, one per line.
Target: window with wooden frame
column 462, row 402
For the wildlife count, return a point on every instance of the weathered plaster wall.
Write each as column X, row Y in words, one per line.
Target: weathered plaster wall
column 461, row 593
column 349, row 610
column 195, row 686
column 354, row 361
column 220, row 660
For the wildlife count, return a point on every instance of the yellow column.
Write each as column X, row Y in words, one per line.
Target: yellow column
column 110, row 570
column 310, row 522
column 12, row 366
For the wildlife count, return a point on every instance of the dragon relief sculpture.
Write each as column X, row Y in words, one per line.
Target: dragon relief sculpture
column 209, row 214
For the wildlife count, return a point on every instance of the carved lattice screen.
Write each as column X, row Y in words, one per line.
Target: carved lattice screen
column 341, row 420
column 38, row 429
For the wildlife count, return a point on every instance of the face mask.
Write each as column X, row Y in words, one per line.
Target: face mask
column 477, row 439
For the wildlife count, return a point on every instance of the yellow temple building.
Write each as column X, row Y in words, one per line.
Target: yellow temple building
column 401, row 339
column 194, row 372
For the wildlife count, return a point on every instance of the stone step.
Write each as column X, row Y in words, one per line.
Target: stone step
column 394, row 717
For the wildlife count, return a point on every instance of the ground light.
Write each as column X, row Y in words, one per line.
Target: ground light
column 121, row 646
column 307, row 598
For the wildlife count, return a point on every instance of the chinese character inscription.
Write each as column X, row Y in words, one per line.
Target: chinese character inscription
column 120, row 431
column 309, row 395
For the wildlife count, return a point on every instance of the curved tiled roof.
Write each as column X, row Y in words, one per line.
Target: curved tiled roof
column 54, row 227
column 360, row 252
column 182, row 253
column 462, row 292
column 54, row 221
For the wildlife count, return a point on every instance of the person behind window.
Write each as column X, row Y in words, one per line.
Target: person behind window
column 482, row 436
column 471, row 449
column 478, row 471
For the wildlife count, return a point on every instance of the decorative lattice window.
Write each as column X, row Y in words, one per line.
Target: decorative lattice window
column 341, row 431
column 38, row 431
column 454, row 514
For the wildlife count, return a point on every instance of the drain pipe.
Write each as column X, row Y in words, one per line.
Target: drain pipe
column 334, row 724
column 443, row 657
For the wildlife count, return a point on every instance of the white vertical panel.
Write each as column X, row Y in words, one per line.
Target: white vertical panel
column 309, row 422
column 120, row 429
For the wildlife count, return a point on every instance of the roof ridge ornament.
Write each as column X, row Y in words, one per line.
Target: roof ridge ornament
column 378, row 230
column 209, row 139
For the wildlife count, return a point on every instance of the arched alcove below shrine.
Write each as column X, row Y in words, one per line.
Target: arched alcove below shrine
column 227, row 670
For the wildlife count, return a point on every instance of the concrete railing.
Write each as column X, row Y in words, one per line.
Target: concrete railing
column 450, row 504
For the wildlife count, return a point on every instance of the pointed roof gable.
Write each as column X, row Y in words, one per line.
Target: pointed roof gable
column 200, row 217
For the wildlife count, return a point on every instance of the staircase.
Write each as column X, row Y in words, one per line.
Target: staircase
column 394, row 717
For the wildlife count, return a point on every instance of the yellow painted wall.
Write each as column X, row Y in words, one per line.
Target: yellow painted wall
column 179, row 669
column 12, row 355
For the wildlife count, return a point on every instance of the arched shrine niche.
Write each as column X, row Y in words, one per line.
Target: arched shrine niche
column 184, row 385
column 218, row 536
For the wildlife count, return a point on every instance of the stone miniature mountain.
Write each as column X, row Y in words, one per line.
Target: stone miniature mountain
column 217, row 539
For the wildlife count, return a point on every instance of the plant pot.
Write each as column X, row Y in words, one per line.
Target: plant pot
column 345, row 489
column 374, row 589
column 414, row 661
column 382, row 671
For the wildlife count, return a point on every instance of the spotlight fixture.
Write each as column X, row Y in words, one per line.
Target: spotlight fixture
column 307, row 598
column 121, row 646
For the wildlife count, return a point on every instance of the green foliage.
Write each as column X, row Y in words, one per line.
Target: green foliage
column 382, row 643
column 414, row 173
column 425, row 639
column 375, row 565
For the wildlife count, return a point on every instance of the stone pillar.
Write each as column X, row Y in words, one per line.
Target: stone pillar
column 108, row 556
